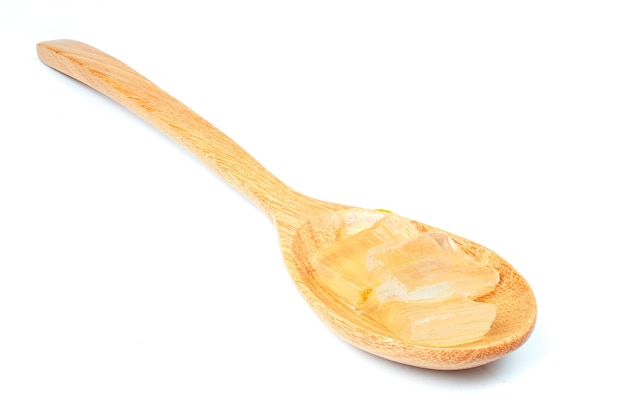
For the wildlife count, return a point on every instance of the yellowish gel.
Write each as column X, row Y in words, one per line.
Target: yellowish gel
column 420, row 286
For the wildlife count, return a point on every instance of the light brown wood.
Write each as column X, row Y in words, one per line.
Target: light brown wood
column 304, row 224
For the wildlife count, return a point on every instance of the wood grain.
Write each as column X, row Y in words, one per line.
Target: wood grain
column 304, row 224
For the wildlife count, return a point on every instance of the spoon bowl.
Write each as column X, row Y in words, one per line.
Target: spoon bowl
column 514, row 300
column 304, row 224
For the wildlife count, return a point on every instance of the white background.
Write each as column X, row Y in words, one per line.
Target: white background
column 130, row 275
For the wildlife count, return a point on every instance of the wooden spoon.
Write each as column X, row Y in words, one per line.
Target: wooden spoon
column 303, row 223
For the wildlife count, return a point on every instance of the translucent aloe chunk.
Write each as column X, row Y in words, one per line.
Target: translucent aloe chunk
column 438, row 323
column 341, row 266
column 427, row 267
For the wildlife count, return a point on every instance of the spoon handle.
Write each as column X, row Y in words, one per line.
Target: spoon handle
column 121, row 83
